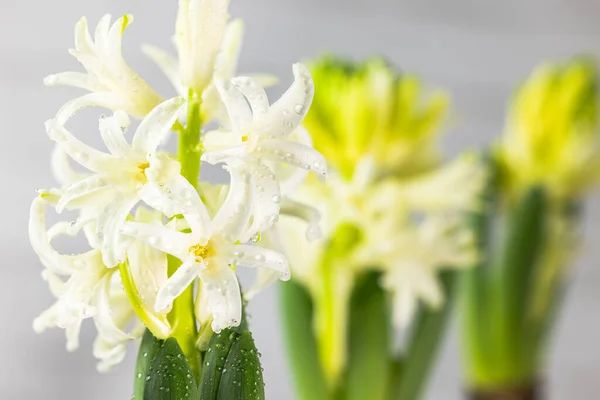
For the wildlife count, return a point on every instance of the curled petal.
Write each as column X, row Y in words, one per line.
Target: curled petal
column 236, row 104
column 108, row 229
column 98, row 99
column 112, row 129
column 86, row 188
column 254, row 93
column 218, row 156
column 258, row 257
column 160, row 237
column 286, row 114
column 74, row 79
column 177, row 283
column 232, row 219
column 62, row 170
column 267, row 199
column 88, row 157
column 222, row 290
column 289, row 152
column 155, row 127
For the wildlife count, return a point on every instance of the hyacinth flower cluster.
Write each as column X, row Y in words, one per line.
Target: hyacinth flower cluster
column 394, row 236
column 545, row 164
column 163, row 247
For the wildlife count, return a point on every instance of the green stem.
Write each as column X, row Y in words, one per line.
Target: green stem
column 182, row 316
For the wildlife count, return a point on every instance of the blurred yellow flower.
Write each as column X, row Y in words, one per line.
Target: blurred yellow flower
column 551, row 135
column 369, row 110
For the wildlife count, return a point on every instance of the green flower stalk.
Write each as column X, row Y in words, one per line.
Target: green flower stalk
column 391, row 224
column 546, row 162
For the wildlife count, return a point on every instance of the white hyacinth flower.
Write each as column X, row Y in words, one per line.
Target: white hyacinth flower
column 211, row 250
column 114, row 85
column 225, row 68
column 260, row 136
column 201, row 25
column 411, row 259
column 121, row 179
column 86, row 288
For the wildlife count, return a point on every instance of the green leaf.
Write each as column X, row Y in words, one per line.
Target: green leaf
column 170, row 377
column 214, row 362
column 368, row 366
column 303, row 356
column 242, row 377
column 427, row 335
column 146, row 354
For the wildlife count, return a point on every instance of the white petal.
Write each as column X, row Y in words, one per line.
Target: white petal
column 224, row 298
column 108, row 229
column 258, row 257
column 267, row 197
column 218, row 156
column 87, row 187
column 293, row 153
column 107, row 327
column 148, row 268
column 100, row 99
column 101, row 34
column 83, row 40
column 309, row 214
column 221, row 139
column 238, row 109
column 227, row 59
column 157, row 198
column 177, row 283
column 232, row 219
column 155, row 127
column 254, row 93
column 405, row 305
column 167, row 64
column 62, row 170
column 114, row 37
column 112, row 129
column 75, row 79
column 161, row 238
column 88, row 157
column 286, row 114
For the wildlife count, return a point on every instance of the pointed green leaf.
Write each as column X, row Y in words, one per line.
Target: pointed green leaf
column 214, row 362
column 170, row 377
column 147, row 352
column 297, row 319
column 368, row 365
column 242, row 377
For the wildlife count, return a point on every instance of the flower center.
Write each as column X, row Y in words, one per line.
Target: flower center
column 142, row 171
column 245, row 138
column 202, row 252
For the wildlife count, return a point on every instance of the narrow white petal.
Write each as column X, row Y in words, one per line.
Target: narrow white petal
column 108, row 228
column 405, row 305
column 254, row 93
column 267, row 199
column 227, row 59
column 177, row 283
column 232, row 219
column 161, row 238
column 88, row 157
column 306, row 213
column 235, row 102
column 224, row 298
column 101, row 34
column 157, row 125
column 218, row 156
column 156, row 197
column 62, row 170
column 104, row 319
column 167, row 64
column 114, row 37
column 293, row 153
column 286, row 114
column 83, row 40
column 86, row 187
column 112, row 131
column 221, row 139
column 148, row 268
column 100, row 99
column 258, row 257
column 74, row 79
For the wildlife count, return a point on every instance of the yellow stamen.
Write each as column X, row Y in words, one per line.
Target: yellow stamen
column 245, row 138
column 202, row 252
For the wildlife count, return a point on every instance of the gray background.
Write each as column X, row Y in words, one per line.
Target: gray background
column 478, row 50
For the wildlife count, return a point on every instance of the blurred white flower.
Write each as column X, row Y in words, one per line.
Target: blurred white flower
column 113, row 83
column 211, row 250
column 120, row 179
